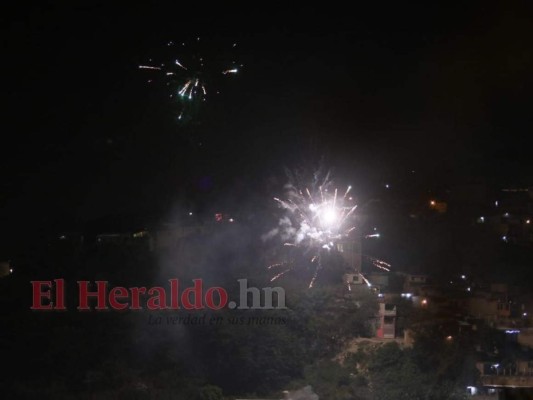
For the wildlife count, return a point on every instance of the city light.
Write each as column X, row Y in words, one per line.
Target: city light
column 472, row 390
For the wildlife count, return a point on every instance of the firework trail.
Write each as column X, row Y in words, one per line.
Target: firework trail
column 379, row 263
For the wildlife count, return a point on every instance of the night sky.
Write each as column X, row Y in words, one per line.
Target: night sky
column 377, row 91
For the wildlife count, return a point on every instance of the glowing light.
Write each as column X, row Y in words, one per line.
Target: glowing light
column 424, row 302
column 190, row 213
column 329, row 216
column 432, row 202
column 449, row 337
column 472, row 389
column 230, row 71
column 528, row 221
column 10, row 270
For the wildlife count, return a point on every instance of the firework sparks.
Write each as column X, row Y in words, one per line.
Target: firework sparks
column 367, row 282
column 280, row 274
column 149, row 67
column 379, row 263
column 317, row 219
column 321, row 220
column 373, row 235
column 190, row 76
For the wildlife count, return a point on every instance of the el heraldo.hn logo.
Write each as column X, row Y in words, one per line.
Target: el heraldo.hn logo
column 100, row 296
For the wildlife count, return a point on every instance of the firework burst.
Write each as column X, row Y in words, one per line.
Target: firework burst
column 191, row 72
column 318, row 217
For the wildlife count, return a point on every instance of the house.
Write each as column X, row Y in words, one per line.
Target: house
column 414, row 283
column 488, row 305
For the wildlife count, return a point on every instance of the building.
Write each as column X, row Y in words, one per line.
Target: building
column 414, row 283
column 491, row 306
column 386, row 321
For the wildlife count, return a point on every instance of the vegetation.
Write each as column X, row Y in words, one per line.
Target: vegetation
column 127, row 355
